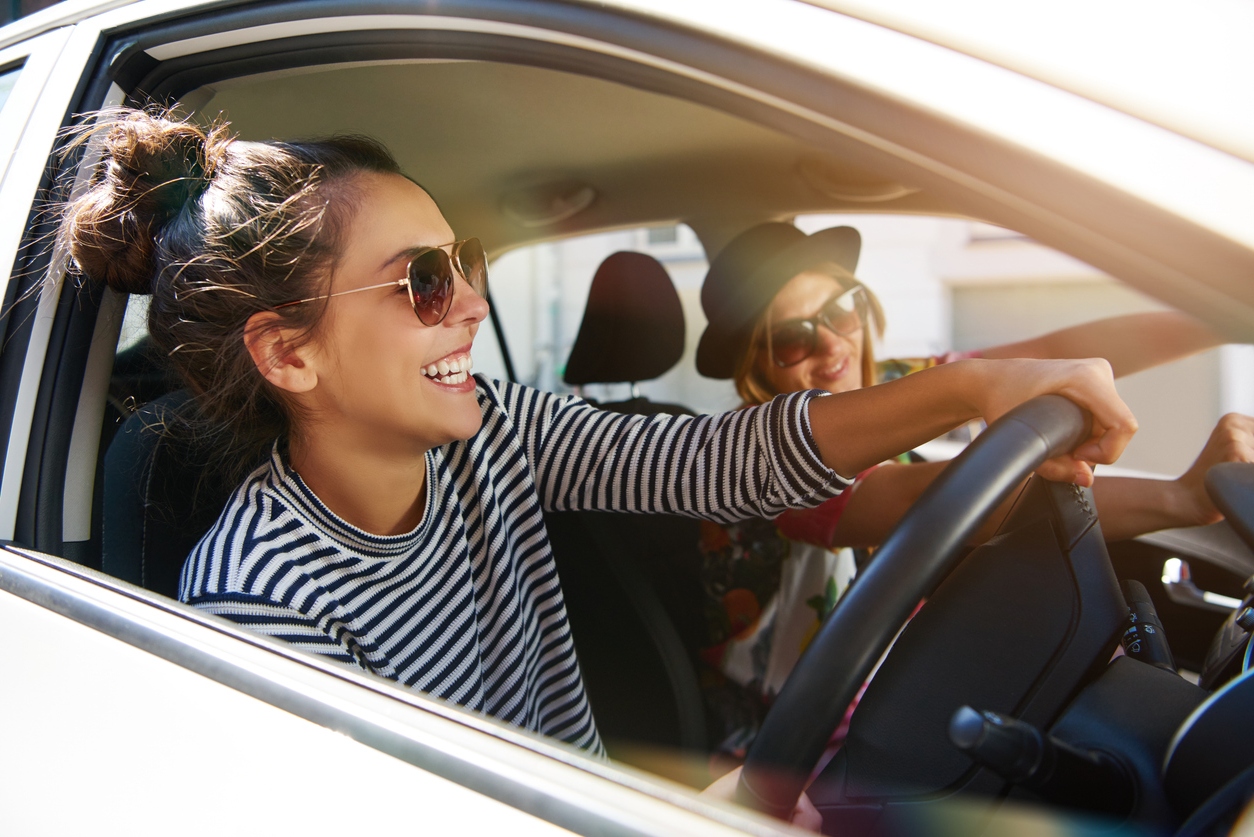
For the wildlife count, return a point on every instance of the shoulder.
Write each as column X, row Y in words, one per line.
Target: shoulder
column 257, row 529
column 519, row 401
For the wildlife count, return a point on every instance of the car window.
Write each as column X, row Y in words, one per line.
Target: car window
column 8, row 78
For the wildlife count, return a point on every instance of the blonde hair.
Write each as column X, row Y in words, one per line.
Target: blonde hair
column 752, row 386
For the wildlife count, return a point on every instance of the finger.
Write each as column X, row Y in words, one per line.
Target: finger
column 1113, row 423
column 1107, row 443
column 1066, row 468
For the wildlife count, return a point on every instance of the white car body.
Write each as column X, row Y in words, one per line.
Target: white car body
column 131, row 714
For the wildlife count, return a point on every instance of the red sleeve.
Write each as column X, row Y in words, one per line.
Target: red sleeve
column 817, row 525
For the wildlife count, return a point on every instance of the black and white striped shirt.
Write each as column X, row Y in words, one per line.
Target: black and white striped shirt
column 467, row 606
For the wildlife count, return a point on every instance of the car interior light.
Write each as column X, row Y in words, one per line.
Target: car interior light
column 848, row 185
column 547, row 203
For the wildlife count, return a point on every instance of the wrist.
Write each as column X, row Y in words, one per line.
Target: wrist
column 974, row 380
column 1187, row 503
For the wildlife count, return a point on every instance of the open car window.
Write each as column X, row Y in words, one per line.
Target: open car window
column 8, row 78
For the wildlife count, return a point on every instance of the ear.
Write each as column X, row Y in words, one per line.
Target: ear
column 280, row 358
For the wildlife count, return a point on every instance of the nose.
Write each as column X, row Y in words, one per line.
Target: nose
column 468, row 306
column 830, row 343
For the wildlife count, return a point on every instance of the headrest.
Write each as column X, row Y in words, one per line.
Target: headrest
column 633, row 325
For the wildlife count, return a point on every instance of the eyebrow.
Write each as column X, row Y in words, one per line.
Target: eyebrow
column 409, row 253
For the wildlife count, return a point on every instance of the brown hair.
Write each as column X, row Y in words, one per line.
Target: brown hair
column 217, row 229
column 753, row 388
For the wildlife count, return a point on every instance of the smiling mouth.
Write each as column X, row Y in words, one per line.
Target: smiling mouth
column 450, row 370
column 838, row 370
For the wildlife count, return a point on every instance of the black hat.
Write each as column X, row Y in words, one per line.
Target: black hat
column 745, row 276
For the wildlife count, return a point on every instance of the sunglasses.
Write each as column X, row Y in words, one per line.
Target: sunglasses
column 429, row 279
column 792, row 341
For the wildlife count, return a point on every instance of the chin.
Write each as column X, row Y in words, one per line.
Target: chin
column 467, row 426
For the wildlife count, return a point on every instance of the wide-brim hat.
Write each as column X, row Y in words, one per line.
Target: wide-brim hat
column 745, row 276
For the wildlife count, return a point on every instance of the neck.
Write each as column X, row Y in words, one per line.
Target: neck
column 370, row 487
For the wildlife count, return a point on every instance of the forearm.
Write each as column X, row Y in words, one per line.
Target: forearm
column 880, row 499
column 858, row 429
column 1131, row 343
column 1129, row 507
column 746, row 463
column 883, row 497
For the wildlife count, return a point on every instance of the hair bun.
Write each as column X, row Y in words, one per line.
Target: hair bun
column 154, row 166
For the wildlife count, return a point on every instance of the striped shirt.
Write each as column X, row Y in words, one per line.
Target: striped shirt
column 467, row 606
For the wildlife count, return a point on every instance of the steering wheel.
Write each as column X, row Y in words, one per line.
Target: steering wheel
column 924, row 547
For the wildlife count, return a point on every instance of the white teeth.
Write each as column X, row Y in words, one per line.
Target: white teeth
column 450, row 370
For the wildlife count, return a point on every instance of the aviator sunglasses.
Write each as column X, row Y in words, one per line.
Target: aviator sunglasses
column 792, row 341
column 429, row 279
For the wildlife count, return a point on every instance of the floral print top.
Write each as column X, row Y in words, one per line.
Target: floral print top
column 767, row 586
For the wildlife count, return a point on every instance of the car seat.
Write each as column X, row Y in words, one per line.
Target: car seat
column 632, row 582
column 632, row 331
column 161, row 494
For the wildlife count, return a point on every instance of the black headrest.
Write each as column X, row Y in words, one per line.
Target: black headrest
column 162, row 492
column 633, row 325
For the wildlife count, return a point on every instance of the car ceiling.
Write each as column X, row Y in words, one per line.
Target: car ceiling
column 479, row 135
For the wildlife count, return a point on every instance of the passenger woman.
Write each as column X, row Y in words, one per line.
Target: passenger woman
column 787, row 314
column 318, row 305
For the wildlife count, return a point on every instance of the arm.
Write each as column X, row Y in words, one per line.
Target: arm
column 1131, row 343
column 300, row 630
column 1128, row 506
column 804, row 814
column 1131, row 507
column 755, row 462
column 882, row 497
column 855, row 430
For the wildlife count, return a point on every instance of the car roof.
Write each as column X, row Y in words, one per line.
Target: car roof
column 647, row 153
column 1186, row 67
column 536, row 136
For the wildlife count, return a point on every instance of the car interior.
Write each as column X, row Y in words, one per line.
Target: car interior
column 519, row 147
